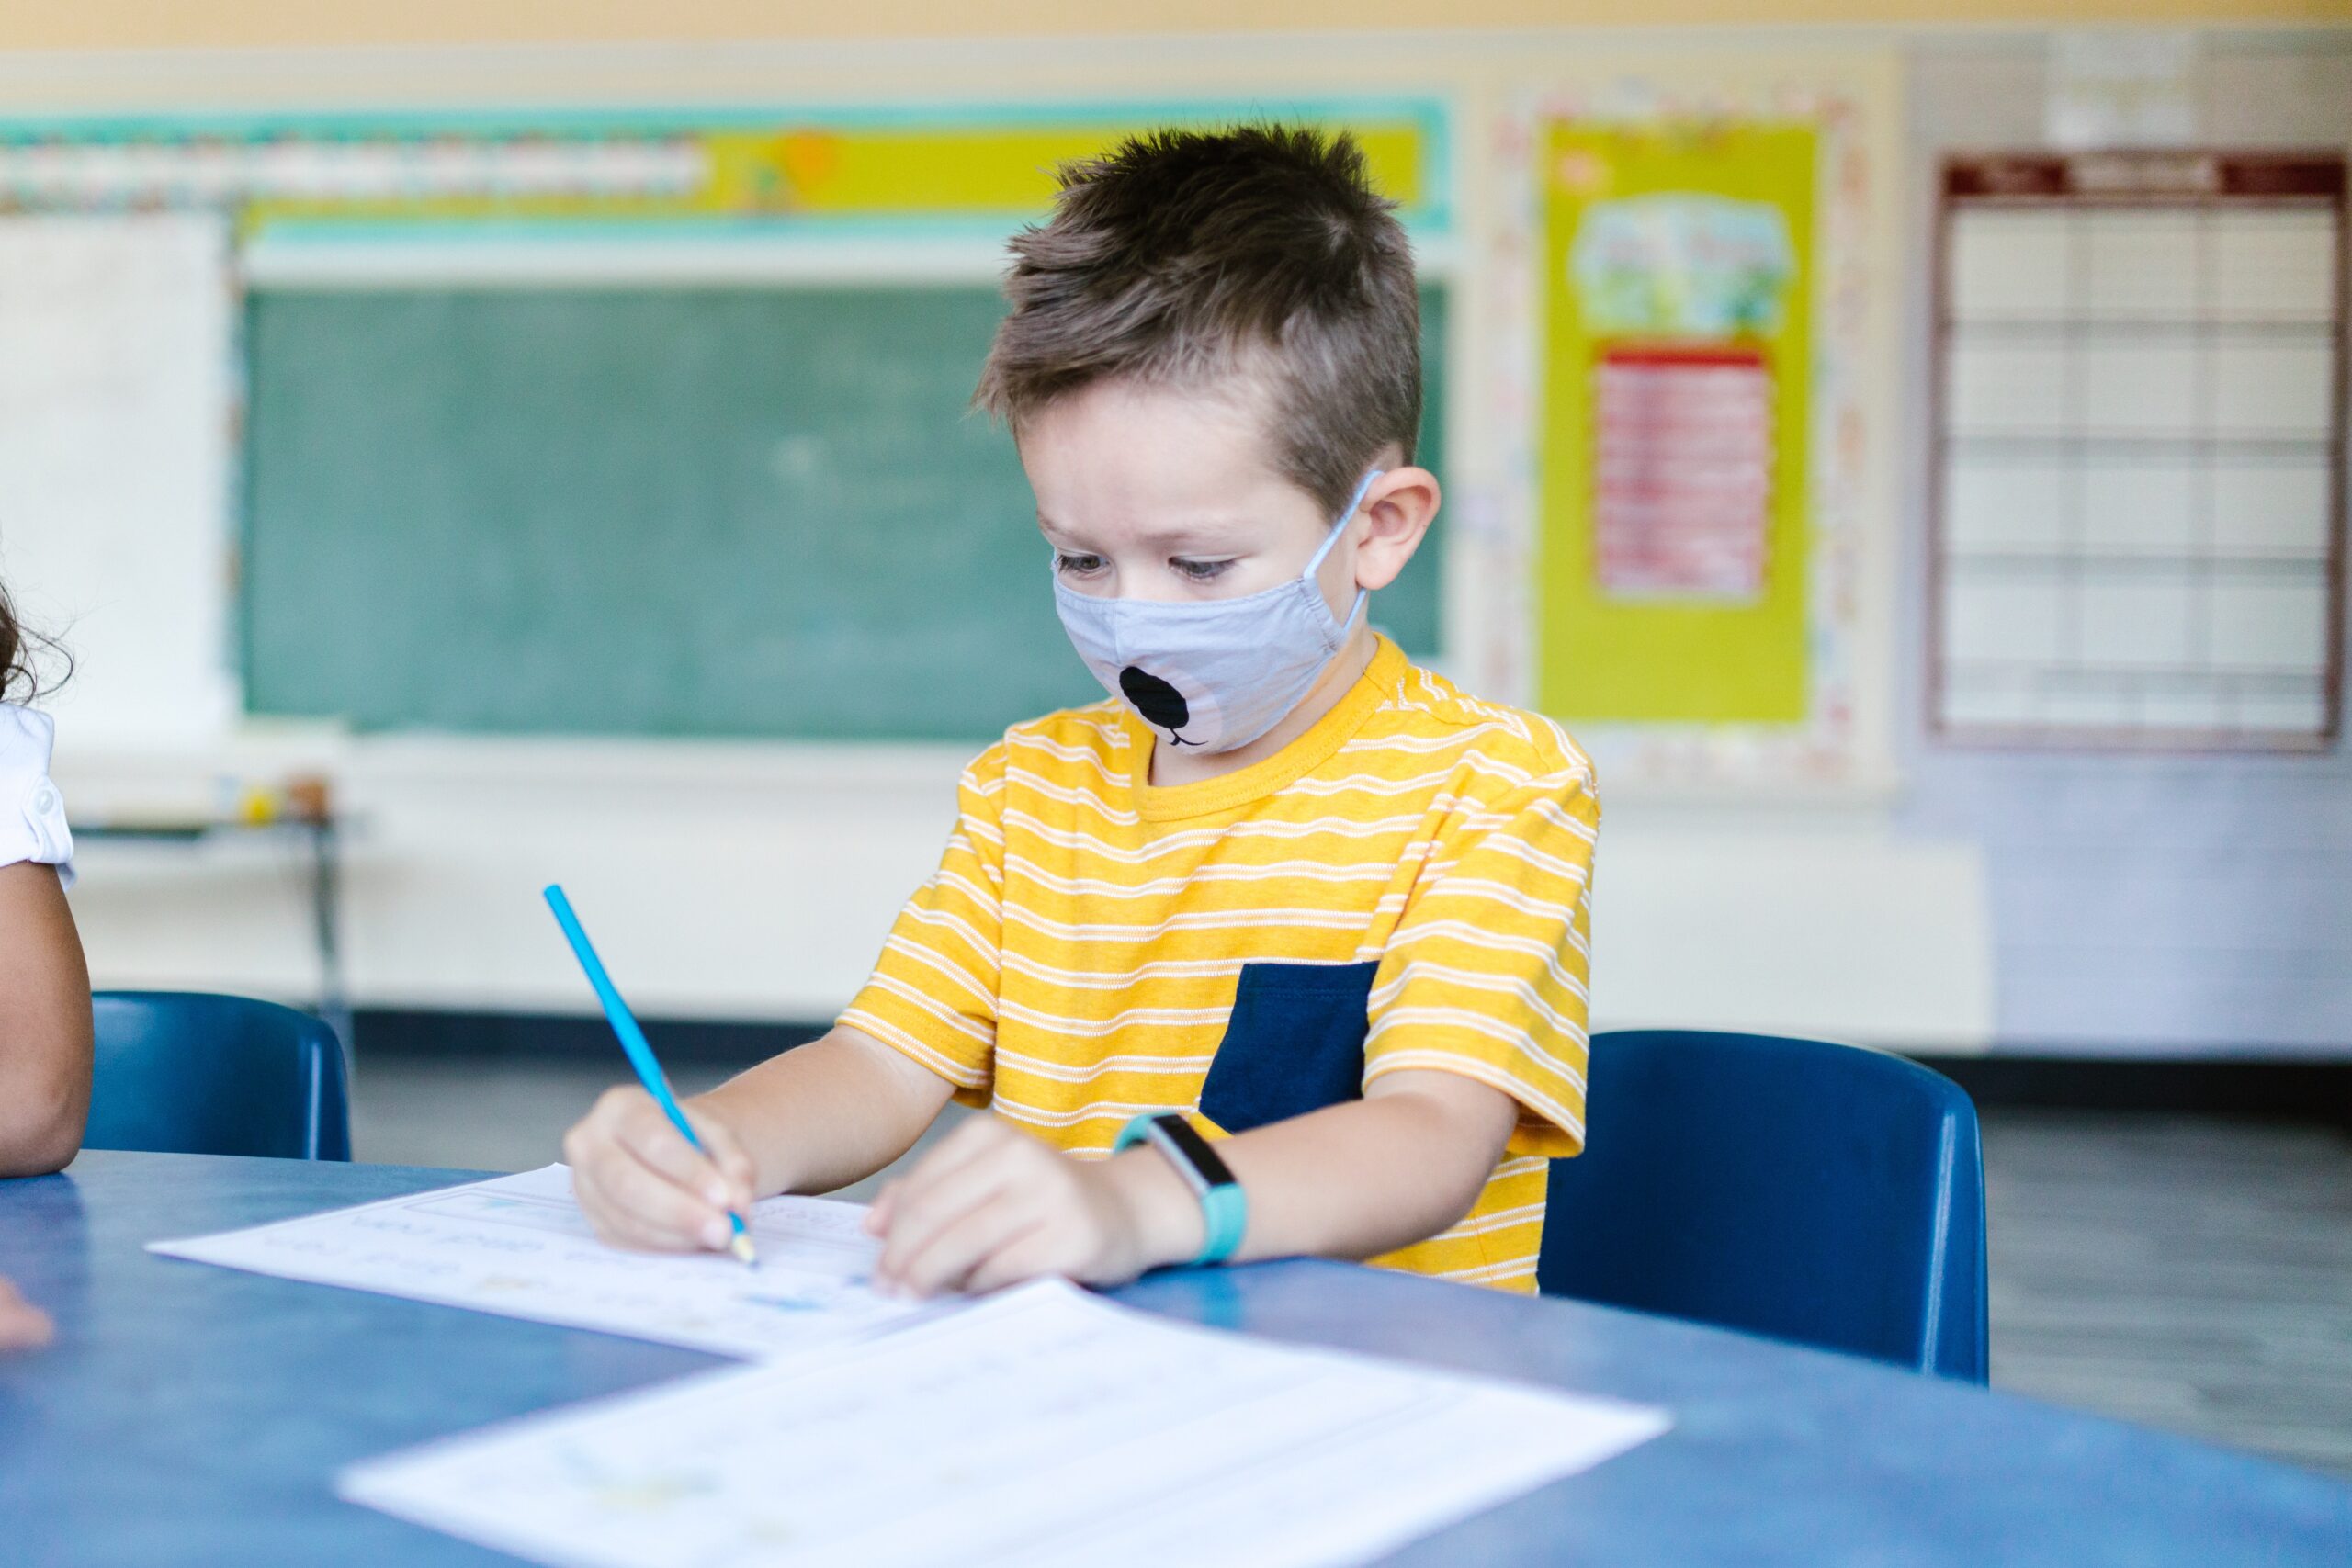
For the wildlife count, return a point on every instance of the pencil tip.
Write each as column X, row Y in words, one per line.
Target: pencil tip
column 741, row 1247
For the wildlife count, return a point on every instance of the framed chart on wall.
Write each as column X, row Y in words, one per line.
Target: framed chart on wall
column 1701, row 288
column 2139, row 533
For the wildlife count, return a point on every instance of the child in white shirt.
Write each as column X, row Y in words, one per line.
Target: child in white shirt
column 44, row 987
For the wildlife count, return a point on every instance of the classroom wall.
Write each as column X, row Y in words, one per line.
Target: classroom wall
column 755, row 881
column 265, row 24
column 2140, row 904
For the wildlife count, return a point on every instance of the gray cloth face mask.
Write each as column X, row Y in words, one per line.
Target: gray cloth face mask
column 1215, row 674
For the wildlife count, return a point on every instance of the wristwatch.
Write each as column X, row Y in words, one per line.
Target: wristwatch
column 1223, row 1206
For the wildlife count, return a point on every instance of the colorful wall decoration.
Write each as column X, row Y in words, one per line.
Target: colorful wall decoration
column 1692, row 506
column 745, row 171
column 1678, row 262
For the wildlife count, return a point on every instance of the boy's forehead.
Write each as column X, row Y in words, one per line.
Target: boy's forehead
column 1143, row 425
column 1154, row 461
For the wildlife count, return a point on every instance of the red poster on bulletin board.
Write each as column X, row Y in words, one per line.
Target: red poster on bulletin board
column 1682, row 472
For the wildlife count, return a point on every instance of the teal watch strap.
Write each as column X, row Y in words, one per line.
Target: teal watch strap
column 1227, row 1213
column 1225, row 1209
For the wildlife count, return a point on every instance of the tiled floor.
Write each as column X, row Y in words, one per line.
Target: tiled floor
column 2194, row 1274
column 2187, row 1273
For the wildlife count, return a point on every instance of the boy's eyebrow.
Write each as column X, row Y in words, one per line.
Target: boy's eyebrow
column 1217, row 534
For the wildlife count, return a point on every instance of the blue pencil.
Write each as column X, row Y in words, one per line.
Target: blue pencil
column 633, row 1044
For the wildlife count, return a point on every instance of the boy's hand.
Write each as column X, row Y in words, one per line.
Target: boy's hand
column 23, row 1326
column 643, row 1186
column 991, row 1206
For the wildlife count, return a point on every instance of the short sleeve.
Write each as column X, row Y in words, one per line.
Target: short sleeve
column 32, row 812
column 1486, row 974
column 933, row 991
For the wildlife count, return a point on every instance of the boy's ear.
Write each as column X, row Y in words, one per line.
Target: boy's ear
column 1396, row 515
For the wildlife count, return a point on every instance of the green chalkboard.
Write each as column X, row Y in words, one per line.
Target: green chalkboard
column 656, row 512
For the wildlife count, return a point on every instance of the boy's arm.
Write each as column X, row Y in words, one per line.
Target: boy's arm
column 807, row 1120
column 44, row 1024
column 992, row 1205
column 829, row 1113
column 1355, row 1181
column 1475, row 1045
column 837, row 1108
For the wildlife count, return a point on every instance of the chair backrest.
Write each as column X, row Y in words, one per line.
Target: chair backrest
column 185, row 1071
column 1821, row 1193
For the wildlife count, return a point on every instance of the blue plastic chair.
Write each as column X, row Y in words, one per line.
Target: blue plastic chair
column 1825, row 1194
column 186, row 1072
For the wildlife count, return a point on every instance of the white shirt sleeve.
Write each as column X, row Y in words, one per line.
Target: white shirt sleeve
column 33, row 813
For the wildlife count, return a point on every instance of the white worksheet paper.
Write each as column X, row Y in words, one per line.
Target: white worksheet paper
column 1039, row 1427
column 519, row 1246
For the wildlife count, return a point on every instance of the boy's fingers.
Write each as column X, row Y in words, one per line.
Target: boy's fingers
column 725, row 1155
column 957, row 1159
column 919, row 1218
column 950, row 1256
column 976, row 1139
column 614, row 1224
column 1023, row 1257
column 23, row 1326
column 606, row 1221
column 647, row 1134
column 629, row 1200
column 951, row 1176
column 652, row 1205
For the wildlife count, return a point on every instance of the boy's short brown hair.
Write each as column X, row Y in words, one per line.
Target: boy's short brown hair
column 1184, row 257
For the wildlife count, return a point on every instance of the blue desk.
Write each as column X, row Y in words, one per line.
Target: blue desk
column 190, row 1414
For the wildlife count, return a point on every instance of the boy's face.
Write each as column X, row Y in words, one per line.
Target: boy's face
column 1147, row 492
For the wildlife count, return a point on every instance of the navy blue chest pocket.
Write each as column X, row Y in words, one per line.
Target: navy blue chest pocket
column 1293, row 1043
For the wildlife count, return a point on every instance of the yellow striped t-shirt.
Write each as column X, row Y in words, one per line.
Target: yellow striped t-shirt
column 1403, row 885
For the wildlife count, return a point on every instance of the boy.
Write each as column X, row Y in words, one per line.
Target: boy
column 1282, row 887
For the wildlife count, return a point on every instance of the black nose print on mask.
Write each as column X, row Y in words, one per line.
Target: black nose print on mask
column 1159, row 702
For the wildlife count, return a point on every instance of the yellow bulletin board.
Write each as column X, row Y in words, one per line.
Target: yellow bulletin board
column 1673, row 500
column 873, row 171
column 891, row 174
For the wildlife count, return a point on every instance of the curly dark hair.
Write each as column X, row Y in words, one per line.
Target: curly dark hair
column 18, row 679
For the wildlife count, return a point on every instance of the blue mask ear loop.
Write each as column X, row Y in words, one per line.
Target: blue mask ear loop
column 1339, row 630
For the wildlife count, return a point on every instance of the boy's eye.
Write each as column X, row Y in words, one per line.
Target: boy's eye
column 1199, row 570
column 1076, row 565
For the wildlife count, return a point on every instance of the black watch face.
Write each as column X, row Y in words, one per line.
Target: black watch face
column 1197, row 1151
